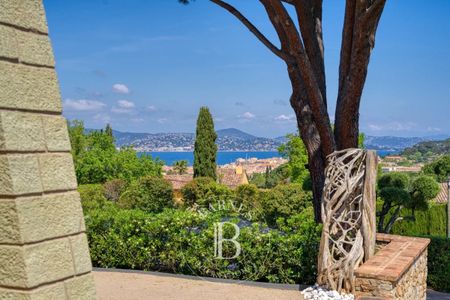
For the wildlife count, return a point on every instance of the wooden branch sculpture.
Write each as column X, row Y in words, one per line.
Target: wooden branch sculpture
column 348, row 215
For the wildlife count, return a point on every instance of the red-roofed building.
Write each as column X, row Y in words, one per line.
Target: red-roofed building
column 232, row 177
column 442, row 197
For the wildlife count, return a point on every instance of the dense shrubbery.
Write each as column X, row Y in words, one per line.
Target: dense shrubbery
column 97, row 160
column 150, row 194
column 439, row 168
column 149, row 235
column 131, row 222
column 182, row 242
column 272, row 177
column 432, row 221
column 439, row 264
column 399, row 193
column 92, row 197
column 294, row 149
column 280, row 202
column 283, row 201
column 246, row 196
column 114, row 188
column 203, row 191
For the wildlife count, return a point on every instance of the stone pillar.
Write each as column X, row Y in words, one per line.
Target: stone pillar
column 43, row 248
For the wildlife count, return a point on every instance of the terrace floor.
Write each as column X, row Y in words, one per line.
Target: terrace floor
column 134, row 285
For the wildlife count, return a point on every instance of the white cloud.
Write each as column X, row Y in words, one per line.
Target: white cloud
column 123, row 107
column 393, row 126
column 247, row 115
column 151, row 108
column 284, row 117
column 83, row 105
column 137, row 120
column 120, row 88
column 375, row 127
column 125, row 104
column 433, row 129
column 101, row 117
column 162, row 120
column 119, row 110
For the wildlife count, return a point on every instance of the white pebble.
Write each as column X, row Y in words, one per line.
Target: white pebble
column 317, row 292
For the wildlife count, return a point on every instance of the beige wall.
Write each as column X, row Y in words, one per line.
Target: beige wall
column 43, row 247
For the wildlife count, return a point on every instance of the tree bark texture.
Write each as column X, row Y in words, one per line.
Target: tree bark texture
column 302, row 50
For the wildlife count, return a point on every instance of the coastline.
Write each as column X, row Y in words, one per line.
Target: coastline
column 223, row 157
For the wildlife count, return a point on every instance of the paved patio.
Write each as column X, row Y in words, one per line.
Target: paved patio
column 134, row 285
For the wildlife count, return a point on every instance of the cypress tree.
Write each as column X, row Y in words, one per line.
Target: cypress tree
column 108, row 130
column 205, row 148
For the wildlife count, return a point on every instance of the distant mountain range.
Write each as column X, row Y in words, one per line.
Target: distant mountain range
column 229, row 139
column 395, row 143
column 232, row 139
column 433, row 147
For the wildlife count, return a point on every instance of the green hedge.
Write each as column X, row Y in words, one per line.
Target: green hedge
column 181, row 241
column 432, row 222
column 93, row 197
column 439, row 264
column 150, row 193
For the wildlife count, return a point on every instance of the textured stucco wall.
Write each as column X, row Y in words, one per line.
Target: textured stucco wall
column 43, row 248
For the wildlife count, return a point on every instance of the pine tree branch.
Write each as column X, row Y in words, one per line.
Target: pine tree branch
column 282, row 22
column 231, row 9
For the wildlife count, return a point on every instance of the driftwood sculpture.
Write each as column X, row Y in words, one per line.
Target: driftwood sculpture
column 348, row 215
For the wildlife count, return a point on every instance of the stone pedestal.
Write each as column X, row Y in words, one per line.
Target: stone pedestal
column 397, row 271
column 43, row 248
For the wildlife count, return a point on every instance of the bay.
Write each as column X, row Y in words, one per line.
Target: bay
column 226, row 157
column 222, row 157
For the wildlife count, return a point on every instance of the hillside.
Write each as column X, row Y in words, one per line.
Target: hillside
column 234, row 133
column 232, row 139
column 391, row 142
column 430, row 147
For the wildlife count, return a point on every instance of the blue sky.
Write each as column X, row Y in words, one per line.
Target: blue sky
column 147, row 66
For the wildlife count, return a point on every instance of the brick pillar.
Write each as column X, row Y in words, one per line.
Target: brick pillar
column 43, row 248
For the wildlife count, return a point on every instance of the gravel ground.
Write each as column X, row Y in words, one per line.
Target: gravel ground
column 136, row 285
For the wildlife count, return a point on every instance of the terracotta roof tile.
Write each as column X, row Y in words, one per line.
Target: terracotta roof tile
column 231, row 178
column 442, row 197
column 178, row 181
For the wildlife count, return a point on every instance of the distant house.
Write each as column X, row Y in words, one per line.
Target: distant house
column 442, row 197
column 232, row 177
column 178, row 182
column 394, row 168
column 394, row 158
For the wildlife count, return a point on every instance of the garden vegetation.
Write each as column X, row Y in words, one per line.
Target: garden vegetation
column 133, row 221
